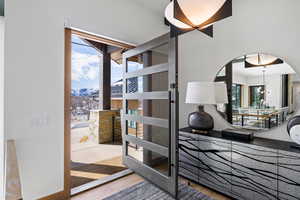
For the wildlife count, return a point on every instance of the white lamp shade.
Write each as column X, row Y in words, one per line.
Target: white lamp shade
column 200, row 93
column 169, row 14
column 221, row 93
column 261, row 59
column 197, row 11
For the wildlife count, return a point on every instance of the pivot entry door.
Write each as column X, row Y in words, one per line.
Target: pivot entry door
column 150, row 112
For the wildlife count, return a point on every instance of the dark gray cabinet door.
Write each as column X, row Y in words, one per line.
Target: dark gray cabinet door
column 288, row 175
column 214, row 163
column 254, row 172
column 188, row 157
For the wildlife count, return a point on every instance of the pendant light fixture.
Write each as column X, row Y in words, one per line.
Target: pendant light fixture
column 188, row 15
column 264, row 79
column 259, row 60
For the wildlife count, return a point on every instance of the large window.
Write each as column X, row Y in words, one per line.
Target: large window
column 257, row 96
column 236, row 96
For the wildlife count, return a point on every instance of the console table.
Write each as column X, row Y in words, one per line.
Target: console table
column 257, row 170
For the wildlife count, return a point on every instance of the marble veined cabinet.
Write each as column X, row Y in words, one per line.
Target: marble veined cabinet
column 262, row 169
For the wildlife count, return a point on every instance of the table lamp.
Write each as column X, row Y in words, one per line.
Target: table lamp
column 221, row 93
column 221, row 98
column 201, row 93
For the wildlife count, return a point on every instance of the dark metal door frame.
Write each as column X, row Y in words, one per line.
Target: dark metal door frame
column 167, row 183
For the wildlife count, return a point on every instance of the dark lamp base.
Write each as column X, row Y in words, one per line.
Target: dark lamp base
column 201, row 120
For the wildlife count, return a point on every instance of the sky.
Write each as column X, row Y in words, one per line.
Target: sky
column 85, row 66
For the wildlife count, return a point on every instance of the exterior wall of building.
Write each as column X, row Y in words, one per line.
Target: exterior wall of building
column 107, row 126
column 117, row 104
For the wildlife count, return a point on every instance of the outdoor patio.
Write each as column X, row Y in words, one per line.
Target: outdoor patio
column 91, row 161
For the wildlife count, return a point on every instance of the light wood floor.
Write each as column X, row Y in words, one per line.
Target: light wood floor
column 109, row 188
column 206, row 191
column 128, row 181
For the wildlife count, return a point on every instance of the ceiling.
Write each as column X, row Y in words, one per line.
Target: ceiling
column 152, row 19
column 157, row 6
column 239, row 68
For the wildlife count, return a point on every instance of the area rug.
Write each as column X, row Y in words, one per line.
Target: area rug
column 147, row 191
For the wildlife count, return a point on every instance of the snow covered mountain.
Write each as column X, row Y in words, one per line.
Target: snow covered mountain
column 84, row 92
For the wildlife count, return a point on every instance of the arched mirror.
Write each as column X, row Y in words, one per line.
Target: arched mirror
column 263, row 92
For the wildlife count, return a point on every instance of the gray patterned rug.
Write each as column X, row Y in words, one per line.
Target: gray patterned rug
column 147, row 191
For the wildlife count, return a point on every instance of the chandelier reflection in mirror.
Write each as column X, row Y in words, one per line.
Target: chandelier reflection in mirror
column 187, row 15
column 263, row 92
column 261, row 59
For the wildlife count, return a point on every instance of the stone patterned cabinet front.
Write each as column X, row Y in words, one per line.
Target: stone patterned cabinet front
column 288, row 175
column 214, row 163
column 254, row 172
column 188, row 156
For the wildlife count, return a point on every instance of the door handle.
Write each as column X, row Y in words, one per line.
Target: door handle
column 170, row 132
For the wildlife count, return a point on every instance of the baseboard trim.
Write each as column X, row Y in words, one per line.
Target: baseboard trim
column 56, row 196
column 94, row 184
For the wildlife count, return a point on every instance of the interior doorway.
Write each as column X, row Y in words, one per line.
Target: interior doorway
column 93, row 100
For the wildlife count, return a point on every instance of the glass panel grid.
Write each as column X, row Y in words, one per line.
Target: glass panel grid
column 148, row 157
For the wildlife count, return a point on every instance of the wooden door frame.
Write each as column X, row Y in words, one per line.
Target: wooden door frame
column 66, row 193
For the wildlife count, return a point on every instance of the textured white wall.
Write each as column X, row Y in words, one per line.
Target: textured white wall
column 256, row 26
column 239, row 79
column 34, row 71
column 1, row 107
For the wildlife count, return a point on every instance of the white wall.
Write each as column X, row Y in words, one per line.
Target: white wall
column 34, row 71
column 239, row 79
column 254, row 27
column 34, row 65
column 1, row 107
column 245, row 96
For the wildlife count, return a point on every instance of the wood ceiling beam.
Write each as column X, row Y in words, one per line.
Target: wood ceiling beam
column 111, row 49
column 98, row 46
column 102, row 40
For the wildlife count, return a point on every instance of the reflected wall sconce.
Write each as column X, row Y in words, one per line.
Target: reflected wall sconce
column 188, row 15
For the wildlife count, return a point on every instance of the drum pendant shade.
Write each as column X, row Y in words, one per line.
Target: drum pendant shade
column 196, row 12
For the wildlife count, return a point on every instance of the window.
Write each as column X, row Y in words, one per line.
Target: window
column 257, row 96
column 132, row 124
column 236, row 96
